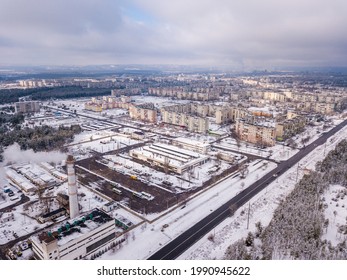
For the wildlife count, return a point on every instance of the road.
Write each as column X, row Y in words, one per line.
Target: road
column 181, row 243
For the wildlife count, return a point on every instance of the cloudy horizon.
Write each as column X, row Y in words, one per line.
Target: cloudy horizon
column 238, row 34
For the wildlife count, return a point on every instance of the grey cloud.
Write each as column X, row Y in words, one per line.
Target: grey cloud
column 248, row 33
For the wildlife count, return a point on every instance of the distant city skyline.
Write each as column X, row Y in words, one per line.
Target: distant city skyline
column 240, row 35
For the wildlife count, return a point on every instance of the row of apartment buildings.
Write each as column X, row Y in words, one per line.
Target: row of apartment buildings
column 108, row 102
column 222, row 113
column 322, row 103
column 198, row 94
column 144, row 112
column 193, row 117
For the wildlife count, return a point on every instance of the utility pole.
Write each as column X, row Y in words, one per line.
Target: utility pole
column 297, row 172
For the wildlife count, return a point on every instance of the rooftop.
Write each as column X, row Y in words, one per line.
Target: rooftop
column 74, row 228
column 191, row 142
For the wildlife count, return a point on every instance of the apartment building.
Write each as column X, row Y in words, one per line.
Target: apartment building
column 108, row 102
column 190, row 122
column 26, row 107
column 317, row 107
column 290, row 126
column 144, row 112
column 222, row 113
column 256, row 131
column 198, row 94
column 93, row 107
column 126, row 91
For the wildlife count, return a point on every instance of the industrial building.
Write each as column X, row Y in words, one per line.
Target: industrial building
column 24, row 184
column 76, row 238
column 168, row 157
column 31, row 177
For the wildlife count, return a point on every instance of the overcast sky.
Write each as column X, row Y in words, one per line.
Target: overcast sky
column 236, row 33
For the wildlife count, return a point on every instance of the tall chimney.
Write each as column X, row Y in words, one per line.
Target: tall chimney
column 72, row 187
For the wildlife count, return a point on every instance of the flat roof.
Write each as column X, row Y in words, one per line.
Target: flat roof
column 74, row 228
column 191, row 142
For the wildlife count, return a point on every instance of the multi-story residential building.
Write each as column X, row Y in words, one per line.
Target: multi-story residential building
column 127, row 91
column 222, row 113
column 145, row 112
column 196, row 124
column 27, row 107
column 198, row 94
column 190, row 122
column 274, row 96
column 108, row 102
column 92, row 106
column 290, row 126
column 317, row 107
column 256, row 131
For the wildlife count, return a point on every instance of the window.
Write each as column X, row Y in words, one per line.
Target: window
column 99, row 243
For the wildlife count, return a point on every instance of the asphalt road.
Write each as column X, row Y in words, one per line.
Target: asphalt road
column 181, row 243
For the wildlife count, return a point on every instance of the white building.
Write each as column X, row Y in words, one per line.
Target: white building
column 76, row 238
column 169, row 157
column 191, row 144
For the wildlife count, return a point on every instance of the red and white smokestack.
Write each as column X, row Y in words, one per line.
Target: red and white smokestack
column 72, row 187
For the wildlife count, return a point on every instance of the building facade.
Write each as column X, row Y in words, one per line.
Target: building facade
column 144, row 112
column 76, row 239
column 26, row 107
column 259, row 133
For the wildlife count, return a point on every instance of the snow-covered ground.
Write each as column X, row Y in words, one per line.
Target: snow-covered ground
column 335, row 213
column 148, row 237
column 151, row 236
column 263, row 205
column 277, row 152
column 187, row 180
column 103, row 142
